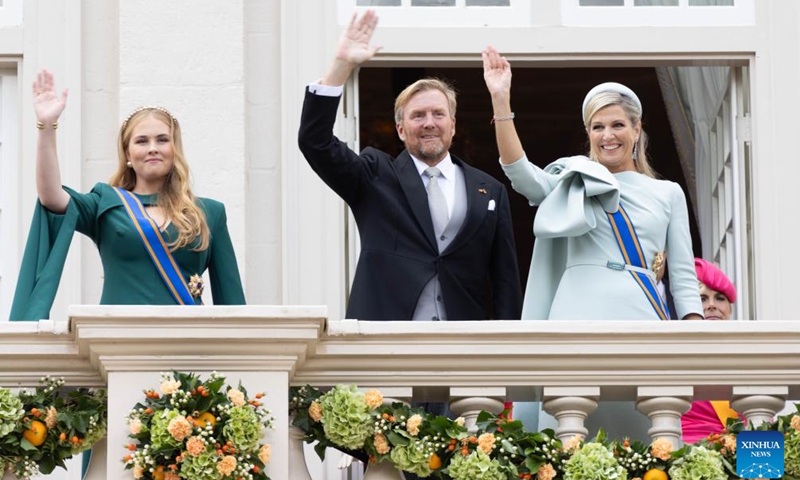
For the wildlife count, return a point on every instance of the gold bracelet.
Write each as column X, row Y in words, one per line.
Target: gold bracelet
column 502, row 119
column 40, row 125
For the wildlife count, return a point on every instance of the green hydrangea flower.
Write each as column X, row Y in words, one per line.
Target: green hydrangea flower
column 593, row 462
column 791, row 453
column 10, row 411
column 201, row 467
column 159, row 435
column 698, row 463
column 412, row 458
column 345, row 417
column 243, row 428
column 475, row 466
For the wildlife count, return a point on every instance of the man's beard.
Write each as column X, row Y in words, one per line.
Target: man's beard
column 431, row 153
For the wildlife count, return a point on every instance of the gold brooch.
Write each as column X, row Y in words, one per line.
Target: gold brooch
column 658, row 262
column 482, row 190
column 195, row 285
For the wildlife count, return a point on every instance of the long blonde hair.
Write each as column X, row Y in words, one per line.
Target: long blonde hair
column 175, row 198
column 608, row 98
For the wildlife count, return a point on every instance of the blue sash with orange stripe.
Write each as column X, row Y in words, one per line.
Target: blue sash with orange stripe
column 631, row 249
column 156, row 247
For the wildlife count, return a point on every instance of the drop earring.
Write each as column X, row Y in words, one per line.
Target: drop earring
column 636, row 150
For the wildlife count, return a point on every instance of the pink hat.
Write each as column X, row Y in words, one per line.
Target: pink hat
column 714, row 278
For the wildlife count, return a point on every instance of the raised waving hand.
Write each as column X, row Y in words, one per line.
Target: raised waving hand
column 46, row 101
column 496, row 72
column 497, row 75
column 353, row 49
column 48, row 105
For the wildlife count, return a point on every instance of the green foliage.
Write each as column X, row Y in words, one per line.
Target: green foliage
column 74, row 419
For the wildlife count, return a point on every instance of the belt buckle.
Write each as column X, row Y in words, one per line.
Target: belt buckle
column 615, row 265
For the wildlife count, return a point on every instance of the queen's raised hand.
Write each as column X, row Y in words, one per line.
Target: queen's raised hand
column 496, row 72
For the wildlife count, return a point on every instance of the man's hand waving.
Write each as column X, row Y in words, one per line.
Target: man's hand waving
column 353, row 49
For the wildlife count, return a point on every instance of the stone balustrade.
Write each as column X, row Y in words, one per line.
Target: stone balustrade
column 570, row 366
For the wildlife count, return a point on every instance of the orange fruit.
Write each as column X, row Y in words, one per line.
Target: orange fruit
column 204, row 419
column 655, row 474
column 36, row 434
column 158, row 473
column 435, row 463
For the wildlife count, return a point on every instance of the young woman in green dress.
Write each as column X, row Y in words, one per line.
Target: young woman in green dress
column 153, row 174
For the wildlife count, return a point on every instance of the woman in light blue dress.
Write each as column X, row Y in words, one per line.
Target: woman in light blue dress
column 604, row 221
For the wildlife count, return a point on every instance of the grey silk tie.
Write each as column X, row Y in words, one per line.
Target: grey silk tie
column 436, row 201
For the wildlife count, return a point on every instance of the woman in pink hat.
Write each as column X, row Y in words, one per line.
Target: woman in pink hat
column 718, row 294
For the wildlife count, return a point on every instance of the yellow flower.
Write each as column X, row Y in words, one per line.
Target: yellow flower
column 264, row 454
column 227, row 465
column 179, row 428
column 796, row 422
column 460, row 421
column 136, row 426
column 546, row 472
column 236, row 397
column 195, row 446
column 169, row 387
column 381, row 444
column 315, row 411
column 486, row 443
column 52, row 418
column 413, row 424
column 661, row 449
column 374, row 398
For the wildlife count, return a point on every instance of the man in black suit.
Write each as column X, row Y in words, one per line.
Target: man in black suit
column 434, row 230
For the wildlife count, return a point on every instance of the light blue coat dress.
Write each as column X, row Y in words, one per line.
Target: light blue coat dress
column 570, row 278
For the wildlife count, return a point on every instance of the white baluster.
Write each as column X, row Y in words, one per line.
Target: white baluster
column 297, row 458
column 570, row 406
column 664, row 406
column 759, row 404
column 383, row 471
column 469, row 402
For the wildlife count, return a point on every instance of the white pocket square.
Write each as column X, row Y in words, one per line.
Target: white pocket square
column 491, row 205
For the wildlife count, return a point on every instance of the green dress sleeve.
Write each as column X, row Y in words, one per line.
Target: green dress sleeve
column 223, row 270
column 42, row 263
column 46, row 253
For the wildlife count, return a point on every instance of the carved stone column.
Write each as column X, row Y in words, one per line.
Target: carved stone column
column 759, row 404
column 571, row 406
column 469, row 402
column 664, row 406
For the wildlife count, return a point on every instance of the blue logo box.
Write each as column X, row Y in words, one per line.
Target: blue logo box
column 759, row 454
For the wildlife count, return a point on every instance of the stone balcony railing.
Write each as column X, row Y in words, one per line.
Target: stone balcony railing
column 570, row 366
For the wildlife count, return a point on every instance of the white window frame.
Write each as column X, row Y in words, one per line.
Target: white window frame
column 11, row 13
column 727, row 243
column 9, row 185
column 518, row 14
column 683, row 15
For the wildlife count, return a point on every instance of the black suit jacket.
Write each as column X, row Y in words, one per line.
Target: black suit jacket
column 399, row 254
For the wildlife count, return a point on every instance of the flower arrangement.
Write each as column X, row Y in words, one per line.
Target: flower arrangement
column 39, row 430
column 198, row 430
column 361, row 425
